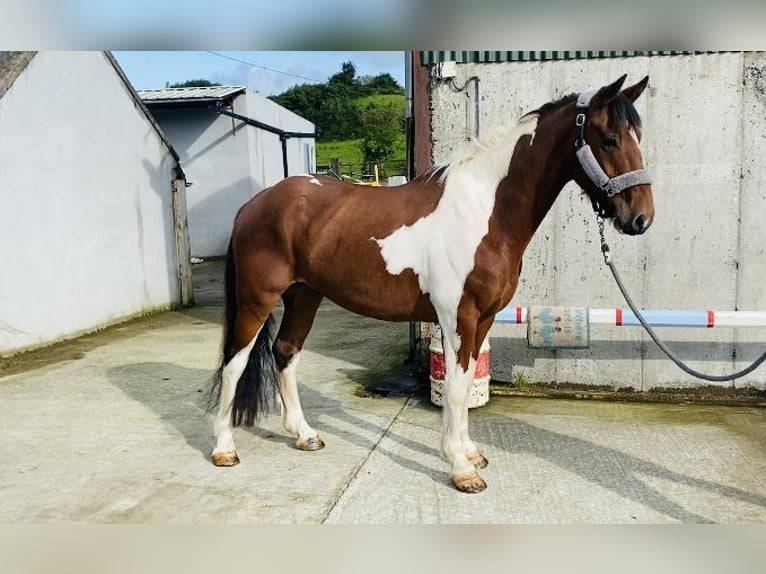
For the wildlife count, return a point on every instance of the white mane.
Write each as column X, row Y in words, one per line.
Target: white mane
column 490, row 153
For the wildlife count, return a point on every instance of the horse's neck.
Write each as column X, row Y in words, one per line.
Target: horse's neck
column 474, row 178
column 537, row 174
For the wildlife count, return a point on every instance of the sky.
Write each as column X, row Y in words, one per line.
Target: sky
column 268, row 73
column 378, row 24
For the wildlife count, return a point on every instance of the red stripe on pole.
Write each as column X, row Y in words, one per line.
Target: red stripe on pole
column 518, row 315
column 618, row 317
column 710, row 319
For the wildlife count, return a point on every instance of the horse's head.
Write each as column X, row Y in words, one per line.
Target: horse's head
column 611, row 167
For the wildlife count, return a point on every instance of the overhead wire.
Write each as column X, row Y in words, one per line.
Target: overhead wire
column 254, row 65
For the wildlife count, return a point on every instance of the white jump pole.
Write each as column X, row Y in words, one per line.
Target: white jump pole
column 619, row 317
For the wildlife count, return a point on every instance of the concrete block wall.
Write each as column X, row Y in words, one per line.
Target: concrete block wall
column 705, row 141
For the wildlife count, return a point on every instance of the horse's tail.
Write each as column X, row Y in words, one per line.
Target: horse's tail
column 257, row 386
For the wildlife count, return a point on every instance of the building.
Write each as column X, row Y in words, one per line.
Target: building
column 93, row 221
column 233, row 143
column 704, row 117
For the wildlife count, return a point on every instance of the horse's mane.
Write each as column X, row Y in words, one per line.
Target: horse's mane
column 435, row 171
column 621, row 108
column 562, row 101
column 474, row 147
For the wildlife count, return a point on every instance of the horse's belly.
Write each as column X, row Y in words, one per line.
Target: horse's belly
column 381, row 296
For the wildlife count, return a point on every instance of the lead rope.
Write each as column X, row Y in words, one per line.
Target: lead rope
column 608, row 260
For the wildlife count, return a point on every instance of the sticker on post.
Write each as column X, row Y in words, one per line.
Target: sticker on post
column 558, row 328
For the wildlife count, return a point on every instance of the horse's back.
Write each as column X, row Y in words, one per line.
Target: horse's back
column 315, row 206
column 325, row 233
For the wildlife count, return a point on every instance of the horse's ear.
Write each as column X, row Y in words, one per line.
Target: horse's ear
column 635, row 90
column 608, row 93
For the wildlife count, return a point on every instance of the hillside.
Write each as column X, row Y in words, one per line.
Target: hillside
column 360, row 121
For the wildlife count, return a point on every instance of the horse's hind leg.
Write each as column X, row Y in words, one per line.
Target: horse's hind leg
column 250, row 338
column 301, row 304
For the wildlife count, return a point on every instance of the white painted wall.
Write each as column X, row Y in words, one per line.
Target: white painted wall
column 86, row 223
column 267, row 159
column 705, row 142
column 213, row 153
column 229, row 162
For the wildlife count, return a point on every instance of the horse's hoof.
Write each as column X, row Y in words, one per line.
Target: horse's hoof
column 478, row 460
column 225, row 458
column 310, row 444
column 469, row 482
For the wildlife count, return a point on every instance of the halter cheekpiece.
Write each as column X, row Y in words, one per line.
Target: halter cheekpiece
column 611, row 186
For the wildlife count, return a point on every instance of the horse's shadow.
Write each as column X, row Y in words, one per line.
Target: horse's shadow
column 611, row 469
column 177, row 395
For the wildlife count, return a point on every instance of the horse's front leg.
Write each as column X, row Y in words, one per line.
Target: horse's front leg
column 473, row 453
column 471, row 450
column 456, row 444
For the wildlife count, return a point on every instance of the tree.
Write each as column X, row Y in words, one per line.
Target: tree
column 331, row 106
column 381, row 124
column 346, row 76
column 381, row 84
column 197, row 83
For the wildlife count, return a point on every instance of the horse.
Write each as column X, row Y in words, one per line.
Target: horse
column 445, row 247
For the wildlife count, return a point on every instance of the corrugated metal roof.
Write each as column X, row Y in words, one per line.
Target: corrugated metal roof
column 462, row 57
column 186, row 94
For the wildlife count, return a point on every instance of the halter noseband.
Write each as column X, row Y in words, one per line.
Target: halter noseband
column 611, row 186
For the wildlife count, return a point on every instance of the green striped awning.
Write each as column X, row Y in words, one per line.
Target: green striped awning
column 466, row 56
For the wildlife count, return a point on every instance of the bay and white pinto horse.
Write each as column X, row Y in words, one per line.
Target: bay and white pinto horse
column 445, row 247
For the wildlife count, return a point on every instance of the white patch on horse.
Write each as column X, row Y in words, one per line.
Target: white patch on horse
column 293, row 419
column 634, row 135
column 440, row 247
column 315, row 181
column 232, row 371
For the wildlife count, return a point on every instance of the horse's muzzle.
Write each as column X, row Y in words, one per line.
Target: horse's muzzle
column 636, row 226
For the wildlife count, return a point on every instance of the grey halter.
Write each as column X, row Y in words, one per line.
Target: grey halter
column 611, row 186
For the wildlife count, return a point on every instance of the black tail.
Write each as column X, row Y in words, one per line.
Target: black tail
column 257, row 387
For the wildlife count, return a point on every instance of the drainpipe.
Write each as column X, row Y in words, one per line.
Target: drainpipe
column 408, row 115
column 283, row 141
column 409, row 135
column 476, row 103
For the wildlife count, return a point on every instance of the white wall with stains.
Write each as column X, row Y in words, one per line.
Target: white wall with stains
column 86, row 220
column 704, row 140
column 228, row 161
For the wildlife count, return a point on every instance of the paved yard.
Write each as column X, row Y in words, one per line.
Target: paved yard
column 112, row 428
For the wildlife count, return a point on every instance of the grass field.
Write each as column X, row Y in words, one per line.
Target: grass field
column 350, row 154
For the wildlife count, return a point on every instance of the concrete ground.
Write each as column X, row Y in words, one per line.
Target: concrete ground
column 112, row 428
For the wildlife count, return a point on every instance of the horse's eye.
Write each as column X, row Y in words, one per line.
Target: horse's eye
column 610, row 141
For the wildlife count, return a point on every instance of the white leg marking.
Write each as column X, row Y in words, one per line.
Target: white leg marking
column 456, row 385
column 453, row 447
column 468, row 445
column 292, row 415
column 232, row 371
